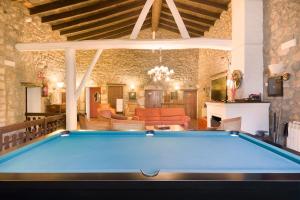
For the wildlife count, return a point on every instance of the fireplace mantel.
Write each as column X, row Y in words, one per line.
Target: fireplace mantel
column 255, row 116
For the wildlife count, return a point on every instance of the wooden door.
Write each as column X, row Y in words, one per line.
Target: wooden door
column 153, row 98
column 114, row 92
column 190, row 103
column 95, row 100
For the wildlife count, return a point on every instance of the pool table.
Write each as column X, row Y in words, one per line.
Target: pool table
column 188, row 163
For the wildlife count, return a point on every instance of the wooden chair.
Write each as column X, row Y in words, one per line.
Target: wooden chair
column 233, row 124
column 103, row 107
column 130, row 108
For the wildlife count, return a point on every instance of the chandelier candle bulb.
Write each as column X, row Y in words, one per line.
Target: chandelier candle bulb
column 159, row 73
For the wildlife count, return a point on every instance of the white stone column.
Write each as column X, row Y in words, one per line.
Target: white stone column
column 71, row 101
column 247, row 39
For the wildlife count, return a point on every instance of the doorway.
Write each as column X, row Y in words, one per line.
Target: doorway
column 95, row 100
column 153, row 98
column 190, row 103
column 114, row 92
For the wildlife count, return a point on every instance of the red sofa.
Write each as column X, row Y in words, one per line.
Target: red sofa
column 162, row 116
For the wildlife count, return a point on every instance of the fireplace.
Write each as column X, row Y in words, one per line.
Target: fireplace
column 255, row 116
column 215, row 121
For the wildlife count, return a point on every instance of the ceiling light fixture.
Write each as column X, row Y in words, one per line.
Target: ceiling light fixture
column 160, row 72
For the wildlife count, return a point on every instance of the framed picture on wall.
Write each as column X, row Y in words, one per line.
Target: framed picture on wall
column 132, row 95
column 174, row 95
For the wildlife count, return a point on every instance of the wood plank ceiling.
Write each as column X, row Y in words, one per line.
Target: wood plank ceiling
column 107, row 19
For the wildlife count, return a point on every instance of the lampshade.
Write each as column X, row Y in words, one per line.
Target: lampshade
column 276, row 69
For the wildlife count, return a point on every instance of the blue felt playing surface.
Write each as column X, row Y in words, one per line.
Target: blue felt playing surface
column 132, row 151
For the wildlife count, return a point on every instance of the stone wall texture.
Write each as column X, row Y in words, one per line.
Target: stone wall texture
column 130, row 67
column 16, row 67
column 211, row 61
column 193, row 68
column 281, row 24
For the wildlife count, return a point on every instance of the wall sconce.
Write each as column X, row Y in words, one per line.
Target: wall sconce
column 132, row 87
column 278, row 70
column 177, row 87
column 60, row 85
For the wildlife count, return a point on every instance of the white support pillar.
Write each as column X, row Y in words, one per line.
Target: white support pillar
column 247, row 41
column 179, row 22
column 139, row 23
column 87, row 103
column 88, row 73
column 71, row 101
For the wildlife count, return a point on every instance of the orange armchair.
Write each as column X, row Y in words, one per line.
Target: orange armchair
column 106, row 106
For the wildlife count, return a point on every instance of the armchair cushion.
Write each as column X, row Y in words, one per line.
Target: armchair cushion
column 162, row 116
column 152, row 112
column 166, row 112
column 119, row 117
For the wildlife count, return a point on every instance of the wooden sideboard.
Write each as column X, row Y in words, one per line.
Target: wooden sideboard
column 172, row 105
column 56, row 108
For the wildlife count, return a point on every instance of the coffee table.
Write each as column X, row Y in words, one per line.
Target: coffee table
column 172, row 128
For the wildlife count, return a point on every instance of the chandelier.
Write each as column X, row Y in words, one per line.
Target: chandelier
column 160, row 73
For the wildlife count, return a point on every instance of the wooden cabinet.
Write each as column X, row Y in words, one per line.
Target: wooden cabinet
column 115, row 92
column 130, row 108
column 56, row 108
column 153, row 98
column 190, row 103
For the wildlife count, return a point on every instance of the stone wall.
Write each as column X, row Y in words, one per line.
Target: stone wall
column 281, row 24
column 129, row 67
column 115, row 66
column 192, row 67
column 16, row 67
column 211, row 61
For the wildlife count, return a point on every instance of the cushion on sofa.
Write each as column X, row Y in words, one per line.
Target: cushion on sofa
column 165, row 112
column 173, row 118
column 140, row 112
column 152, row 118
column 152, row 123
column 119, row 117
column 152, row 112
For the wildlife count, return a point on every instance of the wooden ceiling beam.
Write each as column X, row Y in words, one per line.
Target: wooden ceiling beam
column 113, row 4
column 211, row 4
column 186, row 22
column 178, row 19
column 125, row 8
column 128, row 32
column 53, row 5
column 100, row 23
column 164, row 44
column 115, row 32
column 197, row 10
column 118, row 35
column 189, row 16
column 175, row 30
column 104, row 29
column 190, row 29
column 156, row 10
column 141, row 19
